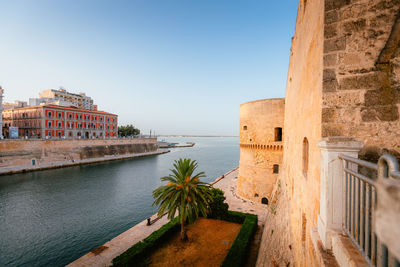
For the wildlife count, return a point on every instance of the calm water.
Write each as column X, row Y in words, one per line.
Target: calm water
column 50, row 218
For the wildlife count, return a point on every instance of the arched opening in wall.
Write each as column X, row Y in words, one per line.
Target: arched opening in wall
column 245, row 128
column 305, row 156
column 264, row 201
column 278, row 134
column 276, row 168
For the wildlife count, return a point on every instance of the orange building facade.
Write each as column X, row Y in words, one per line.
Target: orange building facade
column 51, row 121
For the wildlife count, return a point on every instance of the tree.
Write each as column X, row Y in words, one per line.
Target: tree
column 128, row 130
column 184, row 193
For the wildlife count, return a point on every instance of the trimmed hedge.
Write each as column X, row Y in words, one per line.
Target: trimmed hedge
column 237, row 255
column 137, row 254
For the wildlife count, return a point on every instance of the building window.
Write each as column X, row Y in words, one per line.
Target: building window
column 70, row 134
column 59, row 115
column 49, row 114
column 305, row 156
column 59, row 125
column 70, row 116
column 276, row 168
column 245, row 128
column 278, row 134
column 49, row 124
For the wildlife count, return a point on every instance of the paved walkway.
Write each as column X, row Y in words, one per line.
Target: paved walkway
column 103, row 255
column 69, row 163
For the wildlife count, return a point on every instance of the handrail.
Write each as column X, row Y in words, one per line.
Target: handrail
column 359, row 162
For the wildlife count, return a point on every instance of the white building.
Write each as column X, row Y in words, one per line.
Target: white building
column 78, row 100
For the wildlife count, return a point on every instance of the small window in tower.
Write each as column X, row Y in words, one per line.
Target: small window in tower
column 276, row 168
column 264, row 201
column 278, row 134
column 245, row 128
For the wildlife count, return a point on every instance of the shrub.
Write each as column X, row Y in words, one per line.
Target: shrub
column 237, row 255
column 218, row 208
column 136, row 255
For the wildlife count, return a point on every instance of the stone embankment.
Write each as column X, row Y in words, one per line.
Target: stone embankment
column 30, row 155
column 104, row 254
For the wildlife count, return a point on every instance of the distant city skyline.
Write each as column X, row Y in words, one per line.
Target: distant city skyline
column 175, row 67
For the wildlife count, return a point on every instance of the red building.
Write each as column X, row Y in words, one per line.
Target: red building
column 51, row 121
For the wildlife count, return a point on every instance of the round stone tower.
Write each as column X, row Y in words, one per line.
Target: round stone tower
column 261, row 148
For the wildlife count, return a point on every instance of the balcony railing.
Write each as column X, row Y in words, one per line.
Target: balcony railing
column 360, row 200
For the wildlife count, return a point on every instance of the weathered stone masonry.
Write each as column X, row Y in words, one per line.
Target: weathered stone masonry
column 361, row 77
column 343, row 80
column 260, row 139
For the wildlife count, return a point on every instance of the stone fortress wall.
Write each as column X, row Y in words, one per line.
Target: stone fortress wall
column 343, row 80
column 22, row 152
column 260, row 139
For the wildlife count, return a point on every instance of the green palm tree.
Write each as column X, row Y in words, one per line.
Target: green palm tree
column 184, row 193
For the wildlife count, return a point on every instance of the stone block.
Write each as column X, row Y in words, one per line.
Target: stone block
column 354, row 26
column 356, row 10
column 343, row 99
column 380, row 113
column 384, row 96
column 329, row 85
column 329, row 115
column 329, row 74
column 330, row 31
column 384, row 5
column 332, row 129
column 330, row 60
column 336, row 44
column 372, row 80
column 335, row 4
column 331, row 17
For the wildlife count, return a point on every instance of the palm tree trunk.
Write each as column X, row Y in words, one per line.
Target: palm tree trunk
column 183, row 231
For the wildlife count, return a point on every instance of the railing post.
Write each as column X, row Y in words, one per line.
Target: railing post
column 332, row 191
column 387, row 215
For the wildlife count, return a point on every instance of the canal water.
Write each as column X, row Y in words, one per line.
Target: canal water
column 52, row 217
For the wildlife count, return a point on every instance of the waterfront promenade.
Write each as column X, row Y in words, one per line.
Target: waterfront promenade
column 69, row 163
column 103, row 255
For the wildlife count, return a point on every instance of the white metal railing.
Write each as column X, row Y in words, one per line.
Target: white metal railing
column 359, row 201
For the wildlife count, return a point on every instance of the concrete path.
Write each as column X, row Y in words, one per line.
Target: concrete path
column 103, row 255
column 69, row 163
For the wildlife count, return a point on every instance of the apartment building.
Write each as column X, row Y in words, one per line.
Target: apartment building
column 52, row 121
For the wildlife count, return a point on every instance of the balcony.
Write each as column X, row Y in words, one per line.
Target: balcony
column 352, row 223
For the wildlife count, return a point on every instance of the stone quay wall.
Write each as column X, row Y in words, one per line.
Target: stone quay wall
column 260, row 151
column 24, row 152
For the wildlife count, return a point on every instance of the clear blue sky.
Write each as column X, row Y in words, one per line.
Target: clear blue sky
column 177, row 67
